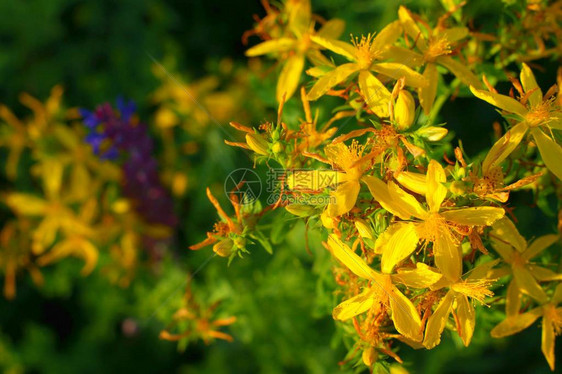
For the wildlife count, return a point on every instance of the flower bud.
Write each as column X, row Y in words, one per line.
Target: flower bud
column 363, row 228
column 224, row 248
column 369, row 356
column 277, row 147
column 258, row 144
column 404, row 110
column 432, row 133
column 300, row 210
column 458, row 188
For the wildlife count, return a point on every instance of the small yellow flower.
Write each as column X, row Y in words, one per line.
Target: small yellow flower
column 436, row 49
column 296, row 46
column 433, row 223
column 475, row 286
column 517, row 253
column 535, row 114
column 551, row 324
column 367, row 54
column 381, row 292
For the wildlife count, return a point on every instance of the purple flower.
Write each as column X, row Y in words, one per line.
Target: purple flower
column 115, row 134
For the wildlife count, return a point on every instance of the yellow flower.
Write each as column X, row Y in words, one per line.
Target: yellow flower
column 534, row 113
column 22, row 133
column 433, row 223
column 195, row 321
column 436, row 49
column 551, row 324
column 382, row 293
column 370, row 53
column 476, row 286
column 296, row 45
column 56, row 215
column 517, row 253
column 350, row 165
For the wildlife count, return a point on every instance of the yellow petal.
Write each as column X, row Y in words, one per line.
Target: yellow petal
column 52, row 171
column 528, row 285
column 330, row 79
column 289, row 77
column 26, row 204
column 354, row 306
column 483, row 270
column 476, row 216
column 436, row 191
column 466, row 319
column 384, row 238
column 271, row 46
column 411, row 27
column 397, row 70
column 505, row 230
column 503, row 102
column 405, row 316
column 550, row 151
column 547, row 341
column 543, row 274
column 504, row 146
column 447, row 255
column 512, row 299
column 406, row 201
column 436, row 323
column 299, row 13
column 454, row 34
column 400, row 246
column 513, row 324
column 332, row 29
column 427, row 93
column 346, row 256
column 540, row 244
column 380, row 192
column 376, row 95
column 345, row 197
column 413, row 181
column 529, row 83
column 337, row 46
column 422, row 276
column 403, row 55
column 387, row 36
column 460, row 71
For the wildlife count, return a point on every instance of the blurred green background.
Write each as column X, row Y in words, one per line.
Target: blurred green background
column 101, row 49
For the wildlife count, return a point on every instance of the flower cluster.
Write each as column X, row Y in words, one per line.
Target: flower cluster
column 410, row 228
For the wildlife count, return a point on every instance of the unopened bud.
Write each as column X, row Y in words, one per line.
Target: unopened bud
column 224, row 248
column 404, row 110
column 432, row 133
column 369, row 356
column 300, row 210
column 277, row 147
column 364, row 229
column 258, row 144
column 458, row 188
